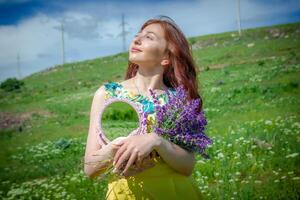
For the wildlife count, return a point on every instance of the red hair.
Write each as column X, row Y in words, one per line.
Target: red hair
column 182, row 68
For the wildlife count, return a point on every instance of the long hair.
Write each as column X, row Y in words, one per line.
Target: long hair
column 182, row 68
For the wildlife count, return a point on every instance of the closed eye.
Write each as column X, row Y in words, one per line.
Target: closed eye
column 147, row 37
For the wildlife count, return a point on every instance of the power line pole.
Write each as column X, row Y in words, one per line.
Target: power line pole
column 123, row 33
column 19, row 66
column 63, row 49
column 238, row 17
column 19, row 74
column 63, row 44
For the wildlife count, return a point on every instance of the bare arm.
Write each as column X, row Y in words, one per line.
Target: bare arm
column 92, row 145
column 178, row 158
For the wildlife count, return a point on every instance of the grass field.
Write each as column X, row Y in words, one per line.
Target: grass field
column 251, row 97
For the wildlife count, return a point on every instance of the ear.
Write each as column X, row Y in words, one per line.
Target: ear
column 166, row 59
column 165, row 62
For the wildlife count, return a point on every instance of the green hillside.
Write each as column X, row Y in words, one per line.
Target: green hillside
column 250, row 89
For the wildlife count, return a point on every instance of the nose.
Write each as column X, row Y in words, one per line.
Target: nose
column 137, row 40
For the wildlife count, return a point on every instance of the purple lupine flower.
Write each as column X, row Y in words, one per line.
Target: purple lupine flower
column 179, row 122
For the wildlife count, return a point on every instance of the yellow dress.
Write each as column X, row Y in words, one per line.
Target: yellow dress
column 160, row 182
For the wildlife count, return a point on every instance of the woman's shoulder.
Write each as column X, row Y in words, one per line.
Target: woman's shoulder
column 115, row 88
column 117, row 84
column 110, row 85
column 109, row 88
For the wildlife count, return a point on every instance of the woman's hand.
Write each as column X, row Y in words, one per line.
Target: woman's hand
column 133, row 170
column 105, row 155
column 134, row 149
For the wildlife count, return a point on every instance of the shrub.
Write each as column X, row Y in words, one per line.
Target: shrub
column 192, row 41
column 11, row 84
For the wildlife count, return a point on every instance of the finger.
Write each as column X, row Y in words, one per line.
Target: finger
column 120, row 151
column 116, row 147
column 123, row 158
column 117, row 144
column 130, row 162
column 119, row 141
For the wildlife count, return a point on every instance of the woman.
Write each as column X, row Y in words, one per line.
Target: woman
column 160, row 59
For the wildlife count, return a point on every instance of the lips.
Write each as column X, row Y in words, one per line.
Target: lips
column 135, row 49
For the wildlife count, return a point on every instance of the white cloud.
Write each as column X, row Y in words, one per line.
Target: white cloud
column 29, row 38
column 78, row 25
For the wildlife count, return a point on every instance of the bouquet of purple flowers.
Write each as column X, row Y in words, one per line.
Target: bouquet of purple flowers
column 179, row 122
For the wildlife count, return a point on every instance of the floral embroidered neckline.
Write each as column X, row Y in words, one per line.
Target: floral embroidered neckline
column 140, row 95
column 115, row 89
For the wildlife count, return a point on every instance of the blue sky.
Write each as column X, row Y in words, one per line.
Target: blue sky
column 31, row 28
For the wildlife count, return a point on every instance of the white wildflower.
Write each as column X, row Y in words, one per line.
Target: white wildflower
column 220, row 155
column 250, row 45
column 257, row 181
column 293, row 155
column 268, row 122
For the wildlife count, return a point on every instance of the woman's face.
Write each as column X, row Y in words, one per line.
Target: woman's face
column 152, row 45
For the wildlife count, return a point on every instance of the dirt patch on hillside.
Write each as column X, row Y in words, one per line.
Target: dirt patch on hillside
column 12, row 120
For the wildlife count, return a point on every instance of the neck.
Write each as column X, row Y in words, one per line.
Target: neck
column 149, row 79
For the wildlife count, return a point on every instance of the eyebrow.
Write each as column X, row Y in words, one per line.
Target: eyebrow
column 149, row 32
